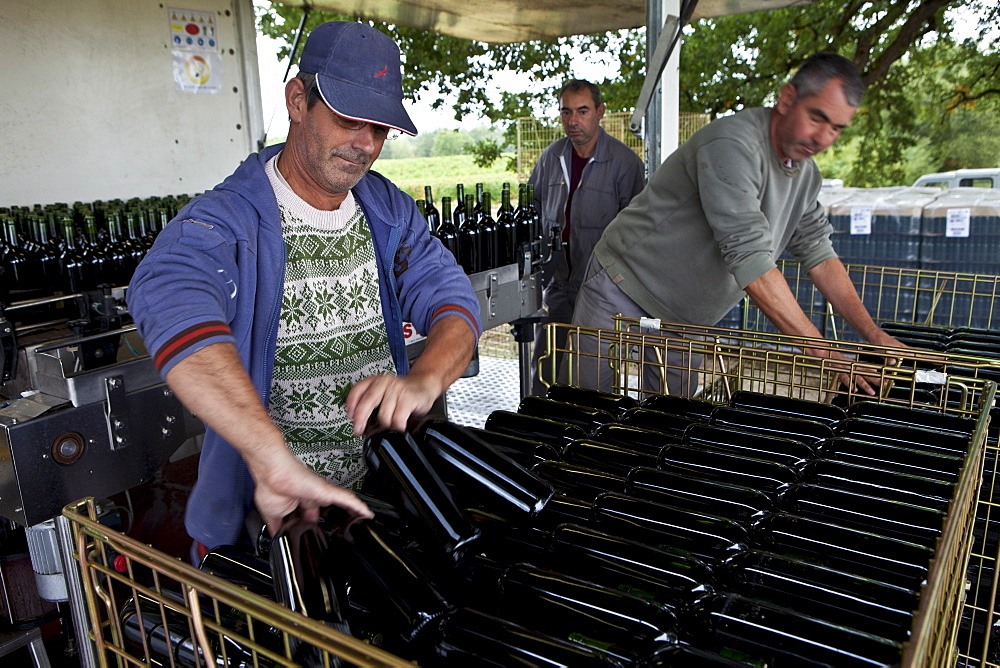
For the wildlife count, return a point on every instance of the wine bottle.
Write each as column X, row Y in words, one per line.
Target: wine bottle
column 668, row 423
column 301, row 570
column 384, row 580
column 578, row 481
column 881, row 483
column 533, row 213
column 468, row 636
column 643, row 441
column 399, row 462
column 166, row 634
column 867, row 513
column 615, row 404
column 556, row 434
column 239, row 565
column 775, row 579
column 614, row 459
column 460, row 214
column 940, row 466
column 917, row 438
column 686, row 656
column 765, row 476
column 72, row 260
column 431, row 212
column 667, row 577
column 892, row 560
column 489, row 243
column 506, row 230
column 562, row 509
column 623, row 625
column 468, row 242
column 447, row 232
column 524, row 222
column 525, row 452
column 739, row 504
column 894, row 413
column 486, row 474
column 764, row 634
column 788, row 406
column 785, row 451
column 707, row 537
column 585, row 417
column 807, row 431
column 480, row 206
column 695, row 409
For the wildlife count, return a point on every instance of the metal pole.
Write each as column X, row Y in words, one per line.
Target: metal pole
column 74, row 587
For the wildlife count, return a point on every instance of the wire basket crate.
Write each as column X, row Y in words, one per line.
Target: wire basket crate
column 636, row 359
column 147, row 608
column 904, row 295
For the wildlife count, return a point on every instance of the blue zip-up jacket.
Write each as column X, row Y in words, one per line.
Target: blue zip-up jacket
column 216, row 274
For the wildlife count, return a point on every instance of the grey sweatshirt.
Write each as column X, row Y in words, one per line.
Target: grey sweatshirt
column 714, row 218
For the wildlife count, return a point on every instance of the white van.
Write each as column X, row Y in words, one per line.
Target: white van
column 962, row 178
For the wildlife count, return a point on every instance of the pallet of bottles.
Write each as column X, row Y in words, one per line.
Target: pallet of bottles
column 602, row 529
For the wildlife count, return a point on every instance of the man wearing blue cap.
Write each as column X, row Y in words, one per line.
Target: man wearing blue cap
column 273, row 304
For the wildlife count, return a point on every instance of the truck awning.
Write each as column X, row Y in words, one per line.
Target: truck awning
column 523, row 20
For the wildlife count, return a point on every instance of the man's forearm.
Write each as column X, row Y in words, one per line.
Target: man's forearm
column 213, row 384
column 447, row 353
column 772, row 295
column 832, row 280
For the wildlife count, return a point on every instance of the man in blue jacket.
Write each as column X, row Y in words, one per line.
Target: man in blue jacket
column 273, row 305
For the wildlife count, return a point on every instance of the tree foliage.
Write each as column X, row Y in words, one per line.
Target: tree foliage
column 927, row 86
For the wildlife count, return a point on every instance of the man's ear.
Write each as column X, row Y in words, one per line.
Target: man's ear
column 296, row 100
column 787, row 97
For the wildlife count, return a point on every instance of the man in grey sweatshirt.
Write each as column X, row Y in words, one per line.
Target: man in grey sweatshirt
column 715, row 216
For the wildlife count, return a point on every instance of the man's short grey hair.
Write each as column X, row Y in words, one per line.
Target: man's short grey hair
column 820, row 68
column 308, row 80
column 576, row 85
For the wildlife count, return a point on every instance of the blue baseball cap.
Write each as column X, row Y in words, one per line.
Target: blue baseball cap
column 358, row 73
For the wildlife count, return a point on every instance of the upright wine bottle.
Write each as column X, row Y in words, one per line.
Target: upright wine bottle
column 432, row 214
column 506, row 230
column 524, row 222
column 447, row 232
column 458, row 215
column 468, row 242
column 489, row 242
column 480, row 202
column 508, row 208
column 533, row 214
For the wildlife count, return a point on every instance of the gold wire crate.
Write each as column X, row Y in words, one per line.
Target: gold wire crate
column 775, row 364
column 904, row 295
column 199, row 606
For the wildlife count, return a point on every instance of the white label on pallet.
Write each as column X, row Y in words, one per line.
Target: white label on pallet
column 861, row 220
column 958, row 223
column 649, row 324
column 930, row 377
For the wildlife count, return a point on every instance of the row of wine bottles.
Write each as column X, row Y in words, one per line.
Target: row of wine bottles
column 479, row 240
column 67, row 249
column 591, row 529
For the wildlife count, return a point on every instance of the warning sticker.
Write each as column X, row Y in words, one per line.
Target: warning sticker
column 197, row 73
column 192, row 30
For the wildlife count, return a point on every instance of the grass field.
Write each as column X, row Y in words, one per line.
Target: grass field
column 444, row 172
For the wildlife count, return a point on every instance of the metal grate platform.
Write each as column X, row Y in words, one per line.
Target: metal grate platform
column 497, row 387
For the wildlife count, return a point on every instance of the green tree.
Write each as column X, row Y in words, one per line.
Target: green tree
column 731, row 63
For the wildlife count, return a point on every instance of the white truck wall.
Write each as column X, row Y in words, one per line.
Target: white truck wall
column 89, row 109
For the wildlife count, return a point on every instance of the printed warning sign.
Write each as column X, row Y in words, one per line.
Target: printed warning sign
column 192, row 30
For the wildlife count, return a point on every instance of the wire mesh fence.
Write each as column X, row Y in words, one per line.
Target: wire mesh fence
column 534, row 135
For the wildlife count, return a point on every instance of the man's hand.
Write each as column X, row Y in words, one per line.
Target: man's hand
column 392, row 400
column 283, row 483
